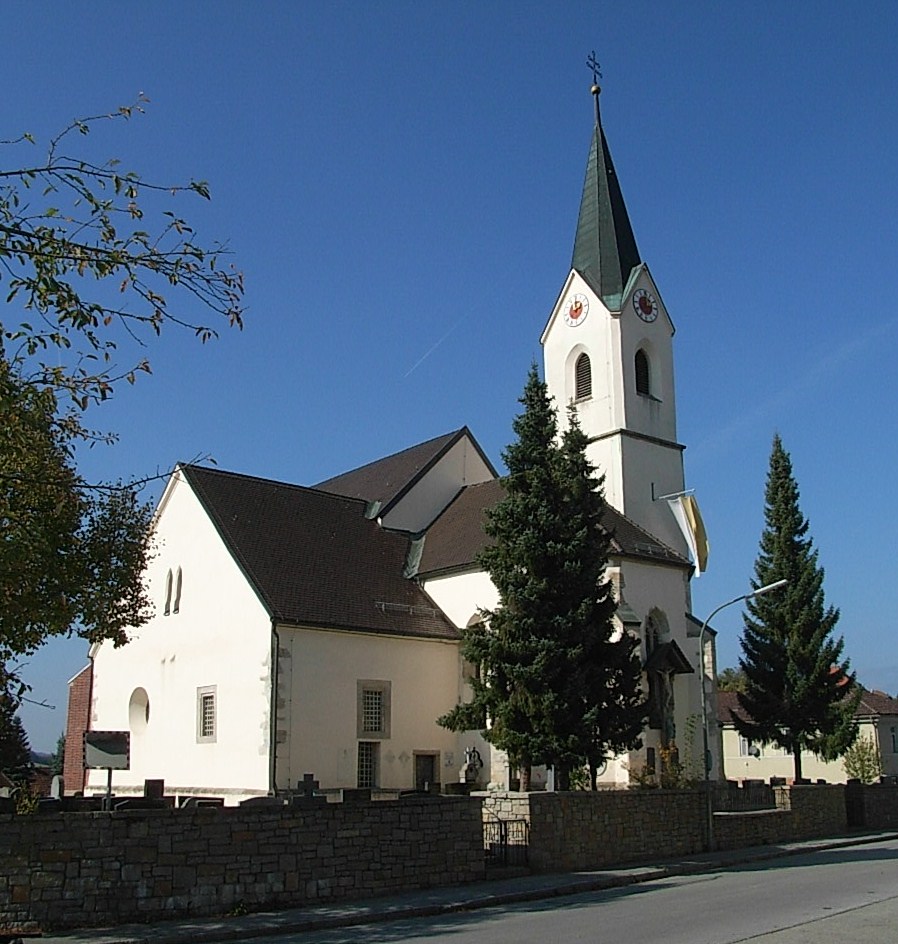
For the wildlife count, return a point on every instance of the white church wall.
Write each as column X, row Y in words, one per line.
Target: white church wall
column 319, row 674
column 651, row 470
column 461, row 596
column 218, row 642
column 461, row 465
column 648, row 587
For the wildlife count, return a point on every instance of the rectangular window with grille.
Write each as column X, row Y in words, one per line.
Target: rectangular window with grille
column 372, row 711
column 367, row 777
column 373, row 697
column 206, row 727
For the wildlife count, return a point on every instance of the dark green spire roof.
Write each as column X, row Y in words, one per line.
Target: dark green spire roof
column 604, row 248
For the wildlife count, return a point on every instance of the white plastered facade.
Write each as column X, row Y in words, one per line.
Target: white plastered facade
column 219, row 643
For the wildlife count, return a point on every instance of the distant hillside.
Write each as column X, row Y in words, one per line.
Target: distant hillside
column 38, row 758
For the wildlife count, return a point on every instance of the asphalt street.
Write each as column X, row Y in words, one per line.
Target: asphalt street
column 839, row 895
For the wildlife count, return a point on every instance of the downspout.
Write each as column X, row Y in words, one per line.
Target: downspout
column 273, row 711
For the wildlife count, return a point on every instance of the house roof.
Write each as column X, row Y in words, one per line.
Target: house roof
column 314, row 559
column 872, row 704
column 605, row 250
column 457, row 536
column 387, row 480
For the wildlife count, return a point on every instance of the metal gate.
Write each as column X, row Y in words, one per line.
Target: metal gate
column 506, row 842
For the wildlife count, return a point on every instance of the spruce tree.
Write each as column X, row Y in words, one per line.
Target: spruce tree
column 15, row 751
column 600, row 665
column 798, row 688
column 552, row 678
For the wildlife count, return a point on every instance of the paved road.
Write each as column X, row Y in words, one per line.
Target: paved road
column 831, row 897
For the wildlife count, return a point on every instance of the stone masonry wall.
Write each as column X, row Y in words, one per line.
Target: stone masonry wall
column 873, row 805
column 87, row 869
column 585, row 830
column 570, row 831
column 802, row 812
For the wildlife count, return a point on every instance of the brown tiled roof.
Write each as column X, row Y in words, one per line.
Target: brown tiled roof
column 727, row 706
column 314, row 558
column 872, row 704
column 455, row 539
column 387, row 479
column 876, row 703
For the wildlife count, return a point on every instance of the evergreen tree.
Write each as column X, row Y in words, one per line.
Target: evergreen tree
column 15, row 751
column 552, row 681
column 57, row 765
column 606, row 706
column 797, row 685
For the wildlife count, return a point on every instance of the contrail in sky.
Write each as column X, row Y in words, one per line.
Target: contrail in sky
column 424, row 357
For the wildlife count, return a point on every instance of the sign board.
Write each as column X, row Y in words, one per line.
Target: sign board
column 107, row 749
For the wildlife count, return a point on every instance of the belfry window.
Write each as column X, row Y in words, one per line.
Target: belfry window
column 643, row 374
column 582, row 378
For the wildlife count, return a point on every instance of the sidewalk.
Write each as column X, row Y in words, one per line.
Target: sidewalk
column 437, row 901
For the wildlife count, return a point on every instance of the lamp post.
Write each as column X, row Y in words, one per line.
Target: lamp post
column 706, row 758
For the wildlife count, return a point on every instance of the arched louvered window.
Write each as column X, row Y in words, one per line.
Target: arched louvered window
column 582, row 378
column 643, row 375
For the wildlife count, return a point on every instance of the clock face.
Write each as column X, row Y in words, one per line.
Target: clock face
column 575, row 309
column 644, row 305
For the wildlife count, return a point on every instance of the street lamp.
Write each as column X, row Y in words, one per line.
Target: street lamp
column 706, row 757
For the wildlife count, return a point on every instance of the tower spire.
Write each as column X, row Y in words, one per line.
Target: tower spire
column 605, row 249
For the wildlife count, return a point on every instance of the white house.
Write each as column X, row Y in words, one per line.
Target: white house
column 876, row 718
column 316, row 630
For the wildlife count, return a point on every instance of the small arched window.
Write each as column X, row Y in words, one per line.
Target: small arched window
column 582, row 378
column 643, row 374
column 168, row 582
column 177, row 604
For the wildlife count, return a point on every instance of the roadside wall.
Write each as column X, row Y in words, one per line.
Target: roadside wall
column 583, row 830
column 66, row 870
column 571, row 831
column 872, row 806
column 802, row 812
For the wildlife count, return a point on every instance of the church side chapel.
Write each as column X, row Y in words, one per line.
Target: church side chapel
column 316, row 630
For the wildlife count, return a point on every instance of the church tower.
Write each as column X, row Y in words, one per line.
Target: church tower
column 608, row 349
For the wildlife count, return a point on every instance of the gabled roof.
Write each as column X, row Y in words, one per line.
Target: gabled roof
column 455, row 539
column 314, row 559
column 387, row 480
column 604, row 248
column 872, row 705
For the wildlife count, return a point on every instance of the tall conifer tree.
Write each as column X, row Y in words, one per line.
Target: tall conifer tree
column 600, row 668
column 553, row 681
column 798, row 688
column 15, row 751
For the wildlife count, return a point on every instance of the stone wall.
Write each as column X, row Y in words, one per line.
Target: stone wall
column 571, row 831
column 872, row 806
column 585, row 830
column 66, row 870
column 802, row 812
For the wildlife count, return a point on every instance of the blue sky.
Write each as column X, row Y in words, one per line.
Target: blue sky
column 399, row 182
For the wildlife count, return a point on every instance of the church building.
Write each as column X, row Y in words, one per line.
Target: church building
column 316, row 630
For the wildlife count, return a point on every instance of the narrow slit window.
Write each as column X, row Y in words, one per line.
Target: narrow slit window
column 643, row 374
column 177, row 605
column 167, row 609
column 582, row 378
